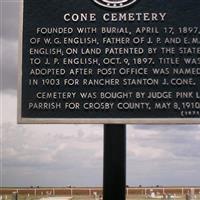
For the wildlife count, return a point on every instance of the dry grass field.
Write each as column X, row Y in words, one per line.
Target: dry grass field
column 132, row 197
column 174, row 193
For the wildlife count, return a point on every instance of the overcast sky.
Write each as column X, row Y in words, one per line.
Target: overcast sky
column 60, row 155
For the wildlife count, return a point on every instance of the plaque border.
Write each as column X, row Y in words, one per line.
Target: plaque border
column 22, row 120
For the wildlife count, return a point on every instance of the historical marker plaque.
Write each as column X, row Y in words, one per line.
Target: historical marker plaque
column 106, row 61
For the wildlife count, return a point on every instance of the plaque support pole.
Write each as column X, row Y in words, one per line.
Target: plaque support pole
column 114, row 175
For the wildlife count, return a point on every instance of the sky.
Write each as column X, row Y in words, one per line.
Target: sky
column 60, row 155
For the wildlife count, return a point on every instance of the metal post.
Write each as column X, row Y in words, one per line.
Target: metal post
column 114, row 181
